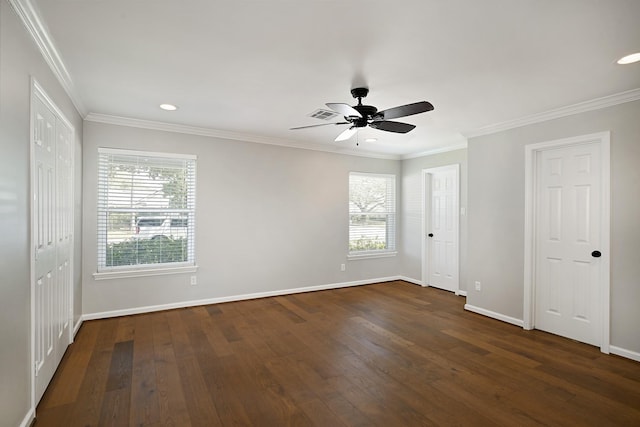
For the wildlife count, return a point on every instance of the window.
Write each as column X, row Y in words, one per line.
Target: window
column 146, row 210
column 372, row 213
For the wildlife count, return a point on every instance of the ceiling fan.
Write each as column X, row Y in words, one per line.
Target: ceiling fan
column 360, row 116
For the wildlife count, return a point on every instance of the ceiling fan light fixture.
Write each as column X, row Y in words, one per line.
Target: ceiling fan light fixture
column 629, row 59
column 168, row 107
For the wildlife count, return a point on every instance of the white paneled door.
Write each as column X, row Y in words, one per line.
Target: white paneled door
column 441, row 227
column 52, row 220
column 568, row 242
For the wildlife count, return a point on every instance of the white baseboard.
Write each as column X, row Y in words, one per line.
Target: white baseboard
column 410, row 280
column 28, row 419
column 612, row 349
column 208, row 301
column 420, row 283
column 494, row 315
column 624, row 353
column 76, row 327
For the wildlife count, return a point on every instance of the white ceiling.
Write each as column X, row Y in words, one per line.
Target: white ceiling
column 259, row 67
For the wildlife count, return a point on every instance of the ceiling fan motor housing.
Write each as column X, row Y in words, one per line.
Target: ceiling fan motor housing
column 360, row 92
column 366, row 111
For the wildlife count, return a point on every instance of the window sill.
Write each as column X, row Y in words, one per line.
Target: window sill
column 369, row 255
column 126, row 274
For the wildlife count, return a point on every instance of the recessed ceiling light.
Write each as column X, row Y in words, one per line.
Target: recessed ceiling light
column 629, row 59
column 168, row 107
column 370, row 140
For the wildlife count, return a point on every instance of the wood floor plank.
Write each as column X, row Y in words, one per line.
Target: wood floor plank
column 73, row 366
column 379, row 355
column 87, row 409
column 145, row 408
column 121, row 366
column 172, row 407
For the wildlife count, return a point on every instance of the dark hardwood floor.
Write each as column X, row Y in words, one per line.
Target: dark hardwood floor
column 389, row 354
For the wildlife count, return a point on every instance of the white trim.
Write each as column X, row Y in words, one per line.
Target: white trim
column 633, row 355
column 426, row 218
column 42, row 94
column 455, row 147
column 581, row 107
column 143, row 272
column 493, row 315
column 356, row 256
column 32, row 256
column 76, row 327
column 411, row 280
column 531, row 150
column 242, row 297
column 106, row 150
column 421, row 283
column 36, row 27
column 213, row 133
column 29, row 418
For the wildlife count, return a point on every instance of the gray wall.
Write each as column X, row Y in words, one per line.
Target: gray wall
column 19, row 60
column 411, row 217
column 268, row 218
column 496, row 214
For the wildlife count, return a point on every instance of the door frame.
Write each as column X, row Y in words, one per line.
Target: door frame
column 426, row 219
column 532, row 152
column 38, row 92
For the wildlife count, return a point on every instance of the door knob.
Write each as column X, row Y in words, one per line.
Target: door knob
column 430, row 234
column 596, row 254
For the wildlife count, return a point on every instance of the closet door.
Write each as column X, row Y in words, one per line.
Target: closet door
column 52, row 237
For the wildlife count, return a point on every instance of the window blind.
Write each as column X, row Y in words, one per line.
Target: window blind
column 146, row 210
column 372, row 213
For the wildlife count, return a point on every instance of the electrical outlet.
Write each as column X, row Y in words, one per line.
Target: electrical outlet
column 478, row 286
column 343, row 267
column 194, row 280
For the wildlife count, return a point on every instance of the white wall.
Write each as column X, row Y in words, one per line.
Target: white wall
column 268, row 218
column 496, row 214
column 412, row 207
column 19, row 60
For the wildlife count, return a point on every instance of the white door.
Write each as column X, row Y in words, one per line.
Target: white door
column 442, row 227
column 51, row 236
column 568, row 240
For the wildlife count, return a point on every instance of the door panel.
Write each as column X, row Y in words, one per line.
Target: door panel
column 442, row 224
column 567, row 224
column 52, row 207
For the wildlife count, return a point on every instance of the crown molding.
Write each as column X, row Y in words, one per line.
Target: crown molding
column 35, row 26
column 214, row 133
column 455, row 147
column 582, row 107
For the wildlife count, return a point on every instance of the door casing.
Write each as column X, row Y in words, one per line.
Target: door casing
column 531, row 154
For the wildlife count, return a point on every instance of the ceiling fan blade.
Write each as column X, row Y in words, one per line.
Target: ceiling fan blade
column 344, row 109
column 405, row 110
column 347, row 134
column 389, row 126
column 323, row 124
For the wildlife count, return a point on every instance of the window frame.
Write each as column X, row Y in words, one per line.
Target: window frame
column 392, row 225
column 137, row 270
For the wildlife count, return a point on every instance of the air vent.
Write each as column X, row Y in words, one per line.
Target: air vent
column 324, row 114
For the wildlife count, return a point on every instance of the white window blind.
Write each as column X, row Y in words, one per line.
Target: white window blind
column 372, row 213
column 146, row 210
